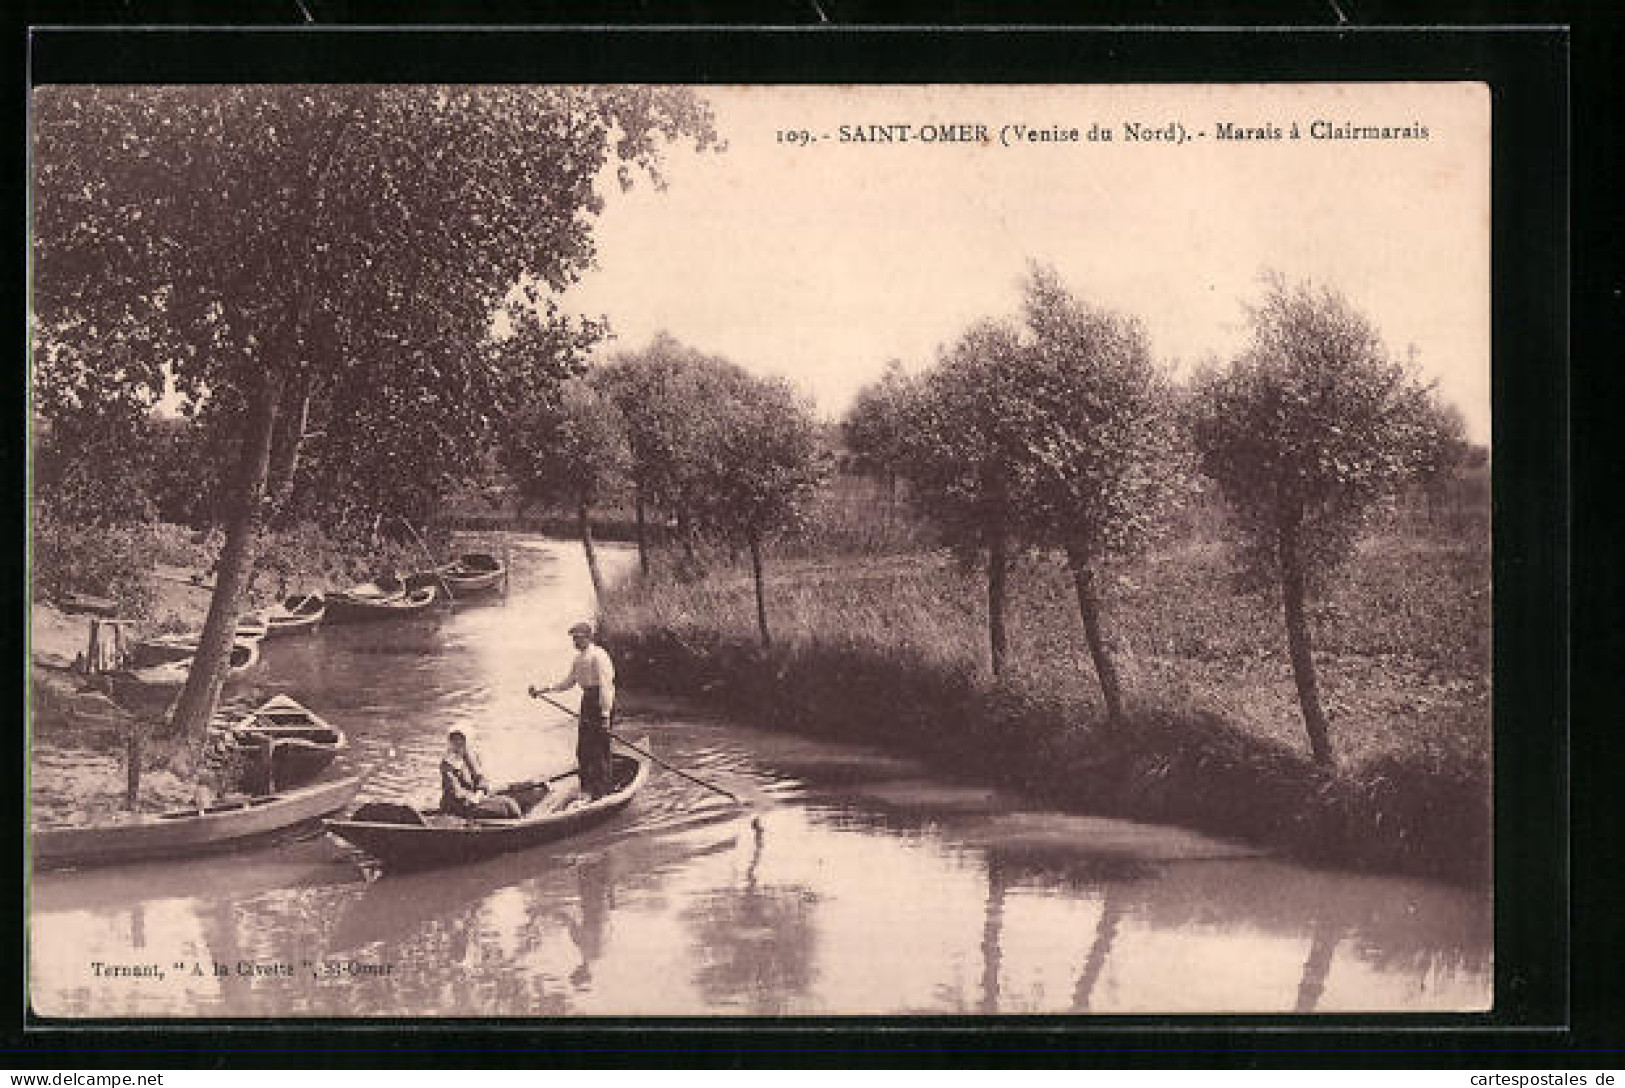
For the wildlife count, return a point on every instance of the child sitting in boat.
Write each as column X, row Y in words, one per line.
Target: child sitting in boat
column 464, row 790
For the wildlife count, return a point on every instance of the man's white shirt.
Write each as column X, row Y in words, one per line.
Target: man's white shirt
column 592, row 668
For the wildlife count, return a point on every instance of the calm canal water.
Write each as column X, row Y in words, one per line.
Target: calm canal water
column 852, row 882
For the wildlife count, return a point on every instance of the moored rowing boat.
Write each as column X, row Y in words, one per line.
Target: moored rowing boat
column 296, row 615
column 473, row 572
column 349, row 607
column 172, row 672
column 225, row 825
column 302, row 742
column 251, row 627
column 163, row 649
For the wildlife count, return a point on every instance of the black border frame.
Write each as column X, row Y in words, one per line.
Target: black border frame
column 1527, row 70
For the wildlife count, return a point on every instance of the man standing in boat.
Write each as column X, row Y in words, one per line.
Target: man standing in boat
column 594, row 673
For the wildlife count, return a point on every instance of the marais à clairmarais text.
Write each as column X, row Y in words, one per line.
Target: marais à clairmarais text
column 1165, row 132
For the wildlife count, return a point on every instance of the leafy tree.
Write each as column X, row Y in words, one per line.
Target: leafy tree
column 412, row 409
column 187, row 482
column 1444, row 454
column 677, row 403
column 875, row 429
column 572, row 453
column 1306, row 433
column 300, row 246
column 1102, row 456
column 95, row 468
column 964, row 455
column 655, row 391
column 93, row 442
column 759, row 464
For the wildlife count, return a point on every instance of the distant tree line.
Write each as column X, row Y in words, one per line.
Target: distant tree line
column 693, row 439
column 1061, row 432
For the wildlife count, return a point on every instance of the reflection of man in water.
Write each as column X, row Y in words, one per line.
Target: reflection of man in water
column 597, row 900
column 594, row 673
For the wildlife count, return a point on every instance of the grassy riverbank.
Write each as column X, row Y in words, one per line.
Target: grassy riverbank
column 890, row 652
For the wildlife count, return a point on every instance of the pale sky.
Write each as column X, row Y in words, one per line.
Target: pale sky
column 822, row 262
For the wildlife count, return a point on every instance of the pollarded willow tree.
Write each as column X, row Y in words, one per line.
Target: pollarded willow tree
column 1103, row 457
column 1306, row 433
column 753, row 467
column 297, row 246
column 661, row 391
column 570, row 451
column 875, row 428
column 964, row 457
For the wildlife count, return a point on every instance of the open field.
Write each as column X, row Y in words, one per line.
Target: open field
column 892, row 650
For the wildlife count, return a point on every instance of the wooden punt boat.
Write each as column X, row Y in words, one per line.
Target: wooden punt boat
column 231, row 823
column 403, row 837
column 88, row 604
column 347, row 607
column 163, row 649
column 302, row 742
column 387, row 587
column 177, row 663
column 471, row 573
column 296, row 615
column 252, row 627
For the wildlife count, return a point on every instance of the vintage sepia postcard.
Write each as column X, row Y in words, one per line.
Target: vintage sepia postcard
column 544, row 550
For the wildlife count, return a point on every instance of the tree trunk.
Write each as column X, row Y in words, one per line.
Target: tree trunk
column 685, row 530
column 592, row 556
column 285, row 455
column 761, row 592
column 643, row 535
column 132, row 765
column 1293, row 595
column 998, row 564
column 1111, row 687
column 208, row 673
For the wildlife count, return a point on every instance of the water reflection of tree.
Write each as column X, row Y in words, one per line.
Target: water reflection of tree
column 1054, row 870
column 1317, row 965
column 219, row 921
column 993, row 935
column 138, row 926
column 1395, row 924
column 1094, row 964
column 1424, row 929
column 755, row 944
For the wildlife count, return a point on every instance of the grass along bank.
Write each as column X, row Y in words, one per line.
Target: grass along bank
column 890, row 652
